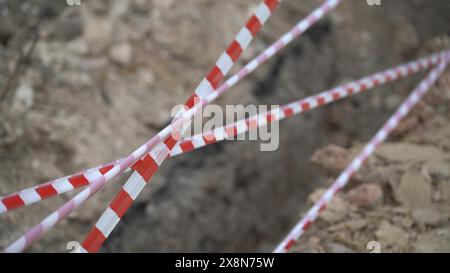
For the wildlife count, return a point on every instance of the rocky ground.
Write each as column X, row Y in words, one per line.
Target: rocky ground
column 401, row 198
column 100, row 79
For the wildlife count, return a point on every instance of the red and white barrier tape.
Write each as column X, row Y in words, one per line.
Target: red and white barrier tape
column 309, row 103
column 145, row 170
column 368, row 150
column 159, row 146
column 290, row 109
column 137, row 181
column 80, row 179
column 55, row 187
column 83, row 178
column 148, row 166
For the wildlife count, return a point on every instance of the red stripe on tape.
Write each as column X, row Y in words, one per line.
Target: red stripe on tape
column 305, row 106
column 46, row 191
column 147, row 167
column 121, row 203
column 13, row 202
column 350, row 91
column 231, row 131
column 271, row 4
column 170, row 141
column 336, row 95
column 78, row 181
column 320, row 100
column 190, row 102
column 234, row 50
column 105, row 169
column 252, row 123
column 290, row 244
column 209, row 138
column 253, row 25
column 322, row 207
column 94, row 240
column 270, row 117
column 363, row 86
column 307, row 225
column 288, row 112
column 187, row 146
column 214, row 77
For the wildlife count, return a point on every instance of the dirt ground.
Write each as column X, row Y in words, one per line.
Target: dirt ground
column 103, row 77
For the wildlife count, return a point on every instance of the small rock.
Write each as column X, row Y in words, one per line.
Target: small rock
column 413, row 191
column 366, row 195
column 406, row 126
column 99, row 7
column 336, row 210
column 97, row 31
column 407, row 222
column 314, row 243
column 437, row 241
column 141, row 6
column 405, row 36
column 438, row 168
column 68, row 26
column 78, row 46
column 121, row 54
column 392, row 235
column 146, row 76
column 332, row 158
column 427, row 216
column 444, row 190
column 356, row 224
column 24, row 96
column 408, row 152
column 338, row 248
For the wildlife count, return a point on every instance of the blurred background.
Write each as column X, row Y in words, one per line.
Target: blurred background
column 84, row 85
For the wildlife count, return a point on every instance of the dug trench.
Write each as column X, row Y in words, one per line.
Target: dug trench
column 228, row 196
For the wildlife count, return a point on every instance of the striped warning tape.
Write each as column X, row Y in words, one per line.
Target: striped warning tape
column 309, row 103
column 159, row 146
column 81, row 179
column 137, row 181
column 58, row 186
column 65, row 184
column 148, row 166
column 145, row 169
column 301, row 106
column 188, row 104
column 368, row 150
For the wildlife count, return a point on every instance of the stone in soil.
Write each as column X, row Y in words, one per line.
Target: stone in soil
column 337, row 209
column 436, row 240
column 407, row 152
column 391, row 235
column 413, row 191
column 365, row 195
column 427, row 216
column 332, row 158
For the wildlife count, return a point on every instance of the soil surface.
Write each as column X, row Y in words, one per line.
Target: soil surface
column 102, row 78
